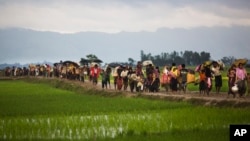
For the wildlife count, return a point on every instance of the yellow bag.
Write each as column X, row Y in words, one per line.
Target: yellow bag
column 190, row 78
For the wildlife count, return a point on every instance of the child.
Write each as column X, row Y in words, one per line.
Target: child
column 202, row 84
column 231, row 79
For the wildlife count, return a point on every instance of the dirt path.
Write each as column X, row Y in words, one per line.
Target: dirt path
column 214, row 99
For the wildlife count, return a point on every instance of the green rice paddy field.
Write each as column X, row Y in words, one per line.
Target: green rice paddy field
column 56, row 110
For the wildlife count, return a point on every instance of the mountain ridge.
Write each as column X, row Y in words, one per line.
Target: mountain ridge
column 25, row 45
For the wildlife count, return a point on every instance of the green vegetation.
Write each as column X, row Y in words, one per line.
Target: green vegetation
column 39, row 109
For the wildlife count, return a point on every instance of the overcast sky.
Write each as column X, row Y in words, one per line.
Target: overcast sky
column 114, row 16
column 70, row 16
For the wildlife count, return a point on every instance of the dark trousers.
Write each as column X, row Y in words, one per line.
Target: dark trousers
column 132, row 85
column 174, row 84
column 242, row 87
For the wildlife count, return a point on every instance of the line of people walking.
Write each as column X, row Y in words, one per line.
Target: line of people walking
column 147, row 77
column 176, row 78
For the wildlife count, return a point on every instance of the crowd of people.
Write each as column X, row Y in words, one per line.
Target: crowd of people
column 175, row 78
column 146, row 77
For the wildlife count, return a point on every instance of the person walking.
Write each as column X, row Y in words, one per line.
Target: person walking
column 183, row 75
column 104, row 79
column 95, row 71
column 132, row 79
column 241, row 76
column 174, row 74
column 165, row 78
column 108, row 73
column 124, row 75
column 231, row 79
column 208, row 74
column 217, row 76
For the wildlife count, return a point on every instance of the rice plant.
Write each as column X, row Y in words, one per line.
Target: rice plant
column 39, row 111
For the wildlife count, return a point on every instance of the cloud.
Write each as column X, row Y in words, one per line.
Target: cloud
column 70, row 16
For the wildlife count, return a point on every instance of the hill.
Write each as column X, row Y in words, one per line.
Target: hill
column 23, row 45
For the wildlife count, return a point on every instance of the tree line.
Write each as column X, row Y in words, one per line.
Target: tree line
column 186, row 57
column 190, row 58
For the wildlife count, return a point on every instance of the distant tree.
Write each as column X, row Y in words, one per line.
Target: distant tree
column 84, row 61
column 90, row 58
column 204, row 56
column 158, row 61
column 196, row 59
column 146, row 56
column 143, row 56
column 174, row 54
column 179, row 60
column 131, row 61
column 187, row 56
column 228, row 60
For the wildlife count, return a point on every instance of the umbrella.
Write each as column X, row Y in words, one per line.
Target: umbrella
column 84, row 61
column 147, row 62
column 70, row 62
column 114, row 64
column 57, row 64
column 242, row 61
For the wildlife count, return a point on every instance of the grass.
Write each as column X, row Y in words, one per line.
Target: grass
column 21, row 98
column 41, row 110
